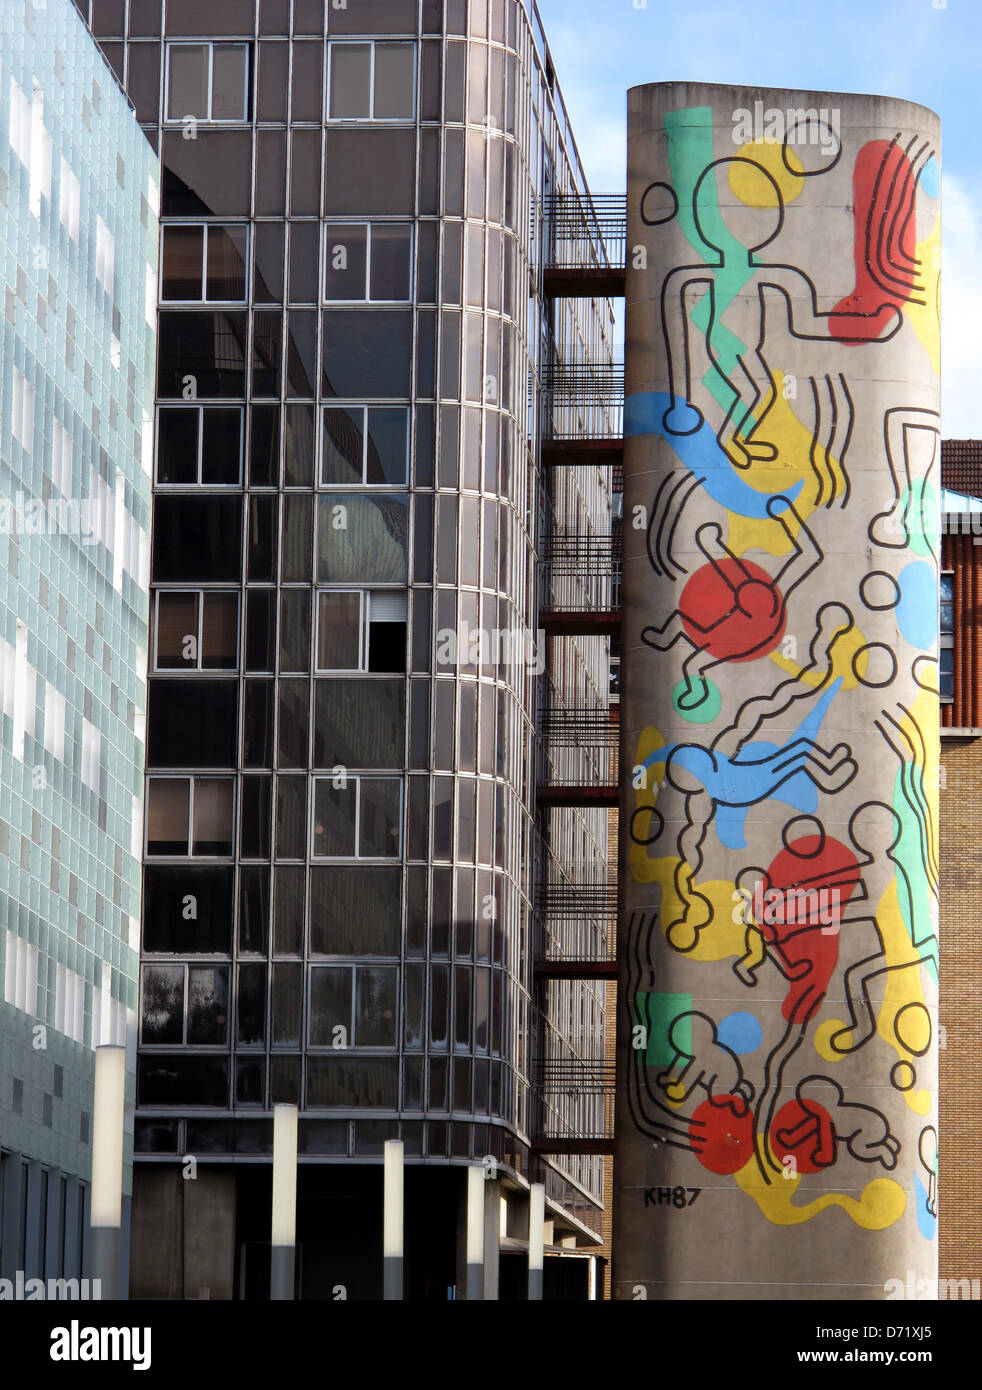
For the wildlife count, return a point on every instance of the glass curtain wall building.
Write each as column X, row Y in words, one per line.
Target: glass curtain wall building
column 78, row 250
column 342, row 841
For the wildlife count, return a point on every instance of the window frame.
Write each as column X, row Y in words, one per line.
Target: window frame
column 364, row 407
column 383, row 1049
column 200, row 407
column 371, row 43
column 357, row 858
column 190, row 778
column 946, row 639
column 369, row 224
column 207, row 227
column 211, row 45
column 197, row 669
column 204, row 964
column 364, row 632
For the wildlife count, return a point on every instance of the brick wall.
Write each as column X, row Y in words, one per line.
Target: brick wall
column 960, row 1125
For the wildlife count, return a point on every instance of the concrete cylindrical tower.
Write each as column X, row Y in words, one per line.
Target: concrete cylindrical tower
column 777, row 1086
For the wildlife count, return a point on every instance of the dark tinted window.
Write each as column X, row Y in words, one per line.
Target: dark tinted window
column 274, row 16
column 187, row 909
column 380, row 17
column 192, row 723
column 295, row 630
column 257, row 724
column 253, row 908
column 305, row 173
column 108, row 18
column 162, row 1016
column 359, row 723
column 207, row 1015
column 298, row 523
column 287, row 985
column 304, row 238
column 271, row 173
column 206, row 346
column 376, row 988
column 299, row 446
column 370, row 171
column 144, row 84
column 268, row 263
column 308, row 16
column 291, row 817
column 308, row 59
column 288, row 910
column 179, row 1079
column 256, row 817
column 215, row 17
column 250, row 1088
column 262, row 539
column 294, row 717
column 197, row 538
column 273, row 85
column 208, row 176
column 267, row 336
column 264, row 448
column 367, row 353
column 177, row 446
column 355, row 911
column 362, row 539
column 373, row 1083
column 251, row 1004
column 301, row 354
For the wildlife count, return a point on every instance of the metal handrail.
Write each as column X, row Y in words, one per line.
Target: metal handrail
column 587, row 231
column 581, row 572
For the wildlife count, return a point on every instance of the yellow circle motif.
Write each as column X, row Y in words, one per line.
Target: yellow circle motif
column 754, row 190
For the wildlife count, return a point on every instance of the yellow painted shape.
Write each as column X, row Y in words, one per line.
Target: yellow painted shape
column 881, row 1203
column 902, row 987
column 675, row 1094
column 722, row 937
column 925, row 318
column 781, row 427
column 843, row 652
column 757, row 192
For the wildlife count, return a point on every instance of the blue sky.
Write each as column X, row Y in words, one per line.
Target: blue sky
column 920, row 50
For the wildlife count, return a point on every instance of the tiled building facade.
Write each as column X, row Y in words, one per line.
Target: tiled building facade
column 78, row 250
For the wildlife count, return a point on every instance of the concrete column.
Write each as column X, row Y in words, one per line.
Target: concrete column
column 776, row 1111
column 492, row 1237
column 284, row 1226
column 537, row 1212
column 475, row 1232
column 106, row 1193
column 393, row 1220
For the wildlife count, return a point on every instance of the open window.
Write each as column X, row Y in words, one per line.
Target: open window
column 360, row 630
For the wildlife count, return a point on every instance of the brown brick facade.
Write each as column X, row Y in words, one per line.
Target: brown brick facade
column 960, row 1122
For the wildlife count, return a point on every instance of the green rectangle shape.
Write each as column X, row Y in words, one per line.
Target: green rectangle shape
column 657, row 1012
